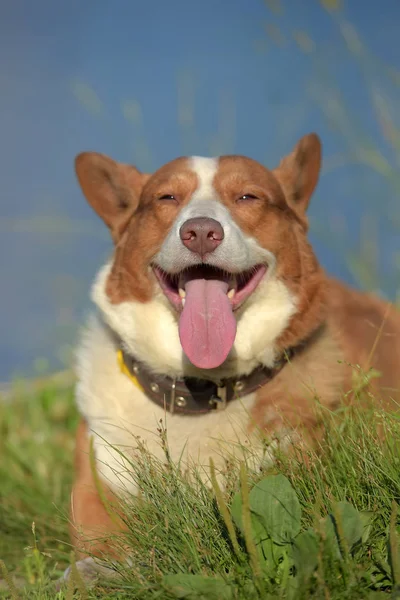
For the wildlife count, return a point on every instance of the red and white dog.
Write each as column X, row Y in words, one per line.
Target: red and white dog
column 214, row 311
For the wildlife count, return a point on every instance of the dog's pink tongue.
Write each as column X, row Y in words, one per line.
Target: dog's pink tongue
column 207, row 327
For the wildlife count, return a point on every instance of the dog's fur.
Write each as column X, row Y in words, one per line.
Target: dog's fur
column 294, row 304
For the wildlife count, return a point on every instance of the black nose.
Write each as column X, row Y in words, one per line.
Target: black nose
column 201, row 235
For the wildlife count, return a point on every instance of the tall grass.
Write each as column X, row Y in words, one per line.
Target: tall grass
column 185, row 537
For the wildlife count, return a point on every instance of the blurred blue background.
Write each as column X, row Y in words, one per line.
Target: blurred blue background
column 148, row 81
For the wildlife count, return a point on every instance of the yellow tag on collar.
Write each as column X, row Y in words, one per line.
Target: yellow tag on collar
column 124, row 369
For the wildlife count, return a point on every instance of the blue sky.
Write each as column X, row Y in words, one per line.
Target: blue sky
column 146, row 82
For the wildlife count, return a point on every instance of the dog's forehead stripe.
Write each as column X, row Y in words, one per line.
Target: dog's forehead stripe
column 205, row 170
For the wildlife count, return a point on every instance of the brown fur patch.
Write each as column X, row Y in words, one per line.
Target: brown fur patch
column 274, row 223
column 369, row 330
column 130, row 277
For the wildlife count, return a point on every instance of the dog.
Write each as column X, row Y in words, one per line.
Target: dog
column 214, row 314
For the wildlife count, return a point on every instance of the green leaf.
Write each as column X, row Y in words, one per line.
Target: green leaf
column 366, row 517
column 197, row 587
column 305, row 553
column 347, row 523
column 258, row 528
column 274, row 553
column 351, row 524
column 330, row 537
column 270, row 553
column 274, row 500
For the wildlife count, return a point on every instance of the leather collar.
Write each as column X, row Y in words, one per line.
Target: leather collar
column 192, row 396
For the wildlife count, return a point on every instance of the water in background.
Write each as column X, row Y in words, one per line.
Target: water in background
column 148, row 81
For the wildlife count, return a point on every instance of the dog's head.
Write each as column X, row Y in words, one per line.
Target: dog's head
column 212, row 272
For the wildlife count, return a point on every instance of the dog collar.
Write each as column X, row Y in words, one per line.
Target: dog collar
column 192, row 396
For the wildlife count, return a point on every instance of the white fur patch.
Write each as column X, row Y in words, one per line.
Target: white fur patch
column 205, row 169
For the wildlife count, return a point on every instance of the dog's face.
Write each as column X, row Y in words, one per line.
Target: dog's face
column 212, row 273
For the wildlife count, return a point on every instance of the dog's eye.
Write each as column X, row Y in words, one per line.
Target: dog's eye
column 247, row 197
column 167, row 197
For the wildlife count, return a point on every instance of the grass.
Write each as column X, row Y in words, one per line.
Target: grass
column 191, row 540
column 36, row 451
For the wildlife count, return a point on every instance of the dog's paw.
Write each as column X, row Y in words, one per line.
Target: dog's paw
column 90, row 570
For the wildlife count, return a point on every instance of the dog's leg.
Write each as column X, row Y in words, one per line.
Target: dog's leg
column 92, row 523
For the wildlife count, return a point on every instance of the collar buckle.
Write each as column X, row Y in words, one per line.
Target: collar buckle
column 220, row 399
column 172, row 397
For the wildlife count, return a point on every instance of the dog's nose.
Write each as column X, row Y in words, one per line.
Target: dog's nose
column 201, row 235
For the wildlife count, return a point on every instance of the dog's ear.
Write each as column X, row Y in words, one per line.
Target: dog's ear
column 112, row 189
column 299, row 171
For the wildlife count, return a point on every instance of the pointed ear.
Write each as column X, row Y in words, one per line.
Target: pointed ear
column 299, row 171
column 112, row 189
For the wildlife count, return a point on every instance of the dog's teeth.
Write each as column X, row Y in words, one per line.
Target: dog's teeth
column 183, row 301
column 182, row 293
column 231, row 293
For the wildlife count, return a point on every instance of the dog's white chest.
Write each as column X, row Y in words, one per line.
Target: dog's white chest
column 122, row 418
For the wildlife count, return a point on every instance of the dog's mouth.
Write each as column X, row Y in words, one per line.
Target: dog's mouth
column 239, row 286
column 207, row 297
